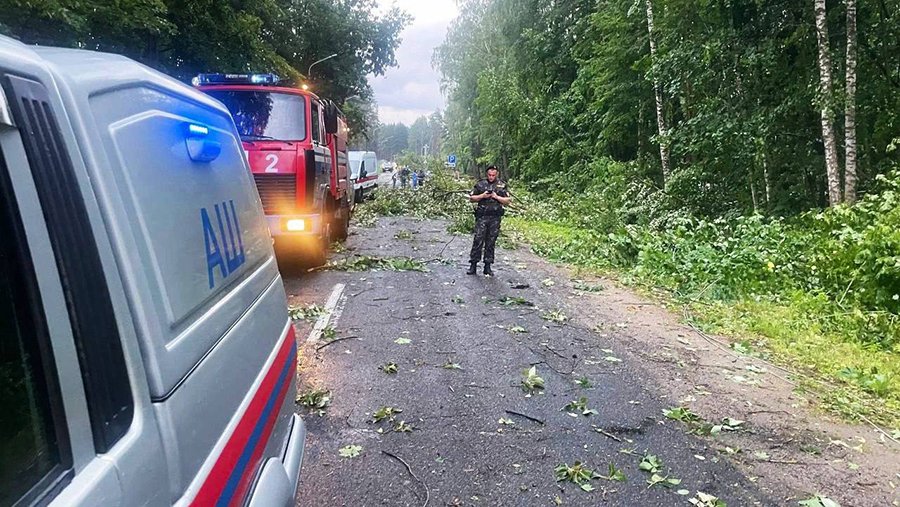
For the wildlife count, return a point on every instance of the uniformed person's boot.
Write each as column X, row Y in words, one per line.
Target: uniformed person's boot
column 473, row 268
column 487, row 270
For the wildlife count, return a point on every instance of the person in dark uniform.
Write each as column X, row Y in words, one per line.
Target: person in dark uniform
column 491, row 195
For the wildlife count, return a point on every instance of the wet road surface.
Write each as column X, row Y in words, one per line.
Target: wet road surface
column 459, row 452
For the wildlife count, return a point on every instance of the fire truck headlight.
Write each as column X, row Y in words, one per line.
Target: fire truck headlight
column 295, row 225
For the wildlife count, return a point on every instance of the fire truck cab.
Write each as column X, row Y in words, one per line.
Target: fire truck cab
column 296, row 144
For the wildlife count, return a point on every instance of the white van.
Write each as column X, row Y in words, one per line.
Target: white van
column 146, row 355
column 364, row 173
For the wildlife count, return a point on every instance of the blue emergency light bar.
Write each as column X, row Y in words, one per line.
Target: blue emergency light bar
column 198, row 130
column 251, row 79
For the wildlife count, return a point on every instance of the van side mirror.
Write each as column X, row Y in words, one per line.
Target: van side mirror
column 331, row 117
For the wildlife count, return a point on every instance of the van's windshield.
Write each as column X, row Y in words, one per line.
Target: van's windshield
column 354, row 167
column 265, row 115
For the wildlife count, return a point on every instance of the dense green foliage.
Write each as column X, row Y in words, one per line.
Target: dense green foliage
column 183, row 38
column 843, row 263
column 565, row 87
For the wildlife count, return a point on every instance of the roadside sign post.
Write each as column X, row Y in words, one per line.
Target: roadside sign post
column 451, row 161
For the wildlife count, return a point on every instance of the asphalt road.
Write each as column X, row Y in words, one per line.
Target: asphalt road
column 458, row 452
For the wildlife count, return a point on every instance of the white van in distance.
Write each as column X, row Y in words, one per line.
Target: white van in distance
column 364, row 173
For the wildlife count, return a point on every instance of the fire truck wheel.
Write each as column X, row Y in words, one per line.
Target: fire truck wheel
column 342, row 221
column 318, row 254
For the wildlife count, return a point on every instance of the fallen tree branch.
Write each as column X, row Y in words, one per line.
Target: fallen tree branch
column 320, row 347
column 607, row 434
column 548, row 365
column 408, row 469
column 533, row 419
column 866, row 419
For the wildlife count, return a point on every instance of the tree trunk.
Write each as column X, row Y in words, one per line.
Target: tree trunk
column 753, row 194
column 660, row 118
column 850, row 107
column 826, row 105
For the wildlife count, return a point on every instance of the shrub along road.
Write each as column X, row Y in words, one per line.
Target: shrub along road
column 439, row 359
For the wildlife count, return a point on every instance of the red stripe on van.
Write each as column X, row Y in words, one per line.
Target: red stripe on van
column 217, row 479
column 256, row 459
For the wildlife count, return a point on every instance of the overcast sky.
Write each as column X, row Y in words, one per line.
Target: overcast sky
column 414, row 89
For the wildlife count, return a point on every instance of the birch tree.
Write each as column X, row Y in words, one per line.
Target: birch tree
column 850, row 178
column 826, row 105
column 660, row 117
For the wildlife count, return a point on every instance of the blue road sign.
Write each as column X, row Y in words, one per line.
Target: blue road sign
column 451, row 160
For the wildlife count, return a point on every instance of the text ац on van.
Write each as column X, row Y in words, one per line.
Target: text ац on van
column 223, row 251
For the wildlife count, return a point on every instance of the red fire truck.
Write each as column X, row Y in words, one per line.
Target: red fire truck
column 297, row 147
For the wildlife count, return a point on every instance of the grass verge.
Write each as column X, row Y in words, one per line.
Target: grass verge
column 850, row 378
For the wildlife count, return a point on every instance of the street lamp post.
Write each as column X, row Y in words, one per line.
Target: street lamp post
column 309, row 72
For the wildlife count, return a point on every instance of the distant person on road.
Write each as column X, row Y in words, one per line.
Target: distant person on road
column 415, row 180
column 404, row 176
column 492, row 196
column 421, row 176
column 395, row 174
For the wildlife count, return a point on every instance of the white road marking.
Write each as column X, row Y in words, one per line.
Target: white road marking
column 331, row 310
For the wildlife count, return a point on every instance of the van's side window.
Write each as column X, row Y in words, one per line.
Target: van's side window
column 100, row 353
column 33, row 440
column 316, row 130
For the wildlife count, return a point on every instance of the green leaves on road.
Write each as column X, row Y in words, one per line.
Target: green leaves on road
column 350, row 451
column 582, row 476
column 402, row 341
column 389, row 414
column 579, row 406
column 585, row 287
column 650, row 463
column 385, row 412
column 308, row 313
column 819, row 501
column 315, row 400
column 576, row 474
column 705, row 500
column 681, row 414
column 389, row 368
column 329, row 334
column 555, row 316
column 728, row 424
column 584, row 383
column 370, row 263
column 614, row 474
column 656, row 479
column 531, row 382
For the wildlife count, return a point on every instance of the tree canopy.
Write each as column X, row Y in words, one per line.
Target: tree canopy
column 566, row 89
column 184, row 38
